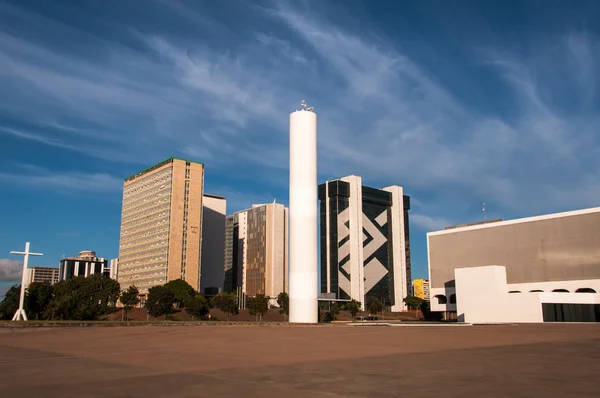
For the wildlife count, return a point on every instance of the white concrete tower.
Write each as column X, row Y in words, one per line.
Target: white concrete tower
column 303, row 216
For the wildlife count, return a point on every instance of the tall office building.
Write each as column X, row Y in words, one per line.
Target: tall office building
column 114, row 268
column 161, row 225
column 256, row 250
column 365, row 242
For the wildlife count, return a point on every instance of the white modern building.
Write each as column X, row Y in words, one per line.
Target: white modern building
column 86, row 264
column 213, row 244
column 365, row 242
column 544, row 268
column 486, row 297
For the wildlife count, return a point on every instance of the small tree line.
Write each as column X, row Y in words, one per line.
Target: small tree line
column 76, row 299
column 97, row 296
column 374, row 306
column 334, row 309
column 174, row 296
column 178, row 294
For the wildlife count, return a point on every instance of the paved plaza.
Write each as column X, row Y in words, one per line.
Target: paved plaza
column 557, row 360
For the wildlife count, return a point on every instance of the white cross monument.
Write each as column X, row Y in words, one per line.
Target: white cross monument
column 20, row 314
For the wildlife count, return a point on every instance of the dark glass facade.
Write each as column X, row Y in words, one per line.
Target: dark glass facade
column 571, row 312
column 338, row 201
column 233, row 273
column 406, row 203
column 72, row 267
column 377, row 244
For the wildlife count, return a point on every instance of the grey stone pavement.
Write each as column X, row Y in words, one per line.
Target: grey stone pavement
column 555, row 360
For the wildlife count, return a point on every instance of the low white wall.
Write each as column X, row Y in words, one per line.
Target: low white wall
column 525, row 288
column 446, row 292
column 482, row 297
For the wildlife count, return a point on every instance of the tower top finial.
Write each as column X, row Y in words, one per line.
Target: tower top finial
column 306, row 107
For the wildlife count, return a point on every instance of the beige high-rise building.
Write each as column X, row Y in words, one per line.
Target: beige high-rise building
column 161, row 225
column 256, row 250
column 44, row 274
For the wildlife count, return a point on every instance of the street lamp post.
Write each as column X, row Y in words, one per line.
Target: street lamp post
column 20, row 314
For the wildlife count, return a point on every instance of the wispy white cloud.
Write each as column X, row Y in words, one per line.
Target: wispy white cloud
column 198, row 18
column 282, row 48
column 235, row 93
column 173, row 95
column 68, row 181
column 35, row 137
column 398, row 124
column 583, row 57
column 382, row 114
column 427, row 223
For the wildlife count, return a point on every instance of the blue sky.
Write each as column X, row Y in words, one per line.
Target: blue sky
column 459, row 102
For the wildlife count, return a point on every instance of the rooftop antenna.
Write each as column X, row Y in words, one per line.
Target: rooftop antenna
column 484, row 213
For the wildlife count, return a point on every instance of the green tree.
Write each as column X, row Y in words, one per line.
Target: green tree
column 37, row 298
column 215, row 301
column 329, row 317
column 226, row 302
column 413, row 302
column 96, row 295
column 250, row 306
column 353, row 307
column 160, row 301
column 283, row 299
column 375, row 306
column 64, row 302
column 129, row 299
column 334, row 310
column 181, row 290
column 83, row 298
column 197, row 306
column 258, row 305
column 10, row 304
